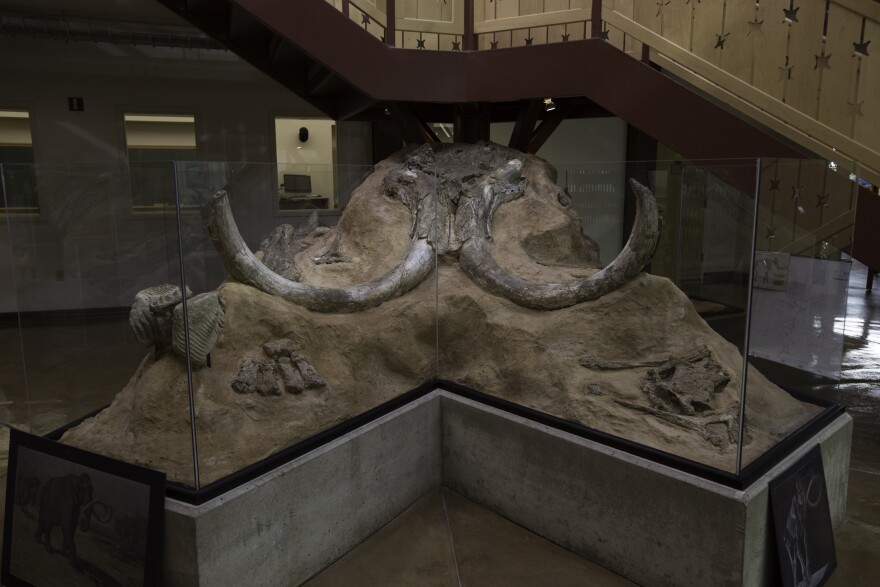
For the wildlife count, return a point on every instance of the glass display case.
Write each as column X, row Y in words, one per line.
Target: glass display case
column 611, row 300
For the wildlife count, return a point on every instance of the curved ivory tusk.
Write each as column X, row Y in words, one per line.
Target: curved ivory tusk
column 246, row 268
column 477, row 261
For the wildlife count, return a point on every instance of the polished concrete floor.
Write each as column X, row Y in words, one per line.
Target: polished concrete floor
column 70, row 366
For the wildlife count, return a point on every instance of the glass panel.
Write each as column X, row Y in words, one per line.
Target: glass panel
column 18, row 188
column 301, row 348
column 799, row 289
column 76, row 268
column 154, row 142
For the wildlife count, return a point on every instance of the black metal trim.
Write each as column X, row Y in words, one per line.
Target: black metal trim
column 750, row 473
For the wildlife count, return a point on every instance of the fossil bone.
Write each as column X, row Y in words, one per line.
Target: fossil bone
column 246, row 268
column 151, row 313
column 478, row 262
column 205, row 312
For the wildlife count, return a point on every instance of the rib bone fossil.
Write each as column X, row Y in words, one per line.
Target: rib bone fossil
column 450, row 216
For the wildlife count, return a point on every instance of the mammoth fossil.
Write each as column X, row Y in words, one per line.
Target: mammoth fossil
column 67, row 502
column 451, row 215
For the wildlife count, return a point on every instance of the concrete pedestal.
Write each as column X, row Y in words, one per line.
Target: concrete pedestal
column 652, row 524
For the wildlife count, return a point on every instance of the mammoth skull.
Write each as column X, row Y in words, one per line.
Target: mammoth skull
column 455, row 220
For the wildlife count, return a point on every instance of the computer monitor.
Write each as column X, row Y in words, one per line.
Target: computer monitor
column 297, row 184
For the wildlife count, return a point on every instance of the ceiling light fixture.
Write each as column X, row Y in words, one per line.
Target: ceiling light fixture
column 549, row 105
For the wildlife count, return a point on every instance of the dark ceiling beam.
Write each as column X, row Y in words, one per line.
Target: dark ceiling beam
column 546, row 128
column 319, row 78
column 411, row 128
column 524, row 128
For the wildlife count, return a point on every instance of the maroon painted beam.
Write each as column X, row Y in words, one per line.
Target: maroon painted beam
column 627, row 88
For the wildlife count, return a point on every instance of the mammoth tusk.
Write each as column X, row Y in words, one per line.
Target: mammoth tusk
column 246, row 268
column 477, row 261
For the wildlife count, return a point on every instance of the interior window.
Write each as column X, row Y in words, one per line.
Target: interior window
column 18, row 184
column 305, row 150
column 154, row 143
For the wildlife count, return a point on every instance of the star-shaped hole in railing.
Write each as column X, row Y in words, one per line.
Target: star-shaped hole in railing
column 755, row 26
column 529, row 40
column 565, row 36
column 494, row 44
column 456, row 45
column 861, row 49
column 720, row 39
column 771, row 232
column 790, row 14
column 774, row 185
column 365, row 20
column 785, row 71
column 822, row 61
column 796, row 192
column 822, row 201
column 420, row 43
column 854, row 108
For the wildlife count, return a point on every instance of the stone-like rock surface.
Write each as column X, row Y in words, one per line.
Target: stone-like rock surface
column 602, row 363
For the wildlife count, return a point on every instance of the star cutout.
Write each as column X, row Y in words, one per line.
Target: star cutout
column 855, row 109
column 790, row 14
column 822, row 61
column 660, row 6
column 822, row 201
column 420, row 43
column 494, row 44
column 774, row 185
column 456, row 45
column 603, row 34
column 719, row 40
column 861, row 49
column 785, row 71
column 755, row 26
column 529, row 40
column 365, row 19
column 796, row 192
column 565, row 36
column 771, row 232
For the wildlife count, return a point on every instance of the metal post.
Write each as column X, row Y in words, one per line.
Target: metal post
column 745, row 353
column 189, row 381
column 596, row 19
column 469, row 40
column 390, row 23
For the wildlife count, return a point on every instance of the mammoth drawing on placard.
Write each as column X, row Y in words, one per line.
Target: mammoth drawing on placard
column 68, row 502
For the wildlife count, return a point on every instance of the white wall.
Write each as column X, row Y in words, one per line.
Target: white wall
column 313, row 157
column 86, row 249
column 589, row 156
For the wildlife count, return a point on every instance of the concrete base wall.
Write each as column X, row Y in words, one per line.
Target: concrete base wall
column 650, row 523
column 287, row 525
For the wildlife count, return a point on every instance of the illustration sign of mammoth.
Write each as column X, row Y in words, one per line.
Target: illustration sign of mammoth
column 68, row 502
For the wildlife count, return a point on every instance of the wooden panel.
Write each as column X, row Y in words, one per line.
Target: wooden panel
column 615, row 37
column 708, row 23
column 770, row 48
column 506, row 8
column 839, row 82
column 407, row 8
column 429, row 10
column 647, row 13
column 738, row 56
column 446, row 42
column 624, row 7
column 531, row 20
column 868, row 125
column 480, row 9
column 802, row 90
column 531, row 7
column 675, row 21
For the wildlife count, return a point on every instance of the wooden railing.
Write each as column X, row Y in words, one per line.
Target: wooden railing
column 809, row 72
